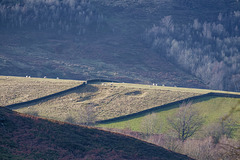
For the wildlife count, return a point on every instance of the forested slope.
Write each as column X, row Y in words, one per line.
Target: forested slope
column 183, row 43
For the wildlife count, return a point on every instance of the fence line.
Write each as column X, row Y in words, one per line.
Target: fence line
column 92, row 81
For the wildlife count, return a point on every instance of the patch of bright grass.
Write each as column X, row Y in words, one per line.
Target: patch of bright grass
column 212, row 108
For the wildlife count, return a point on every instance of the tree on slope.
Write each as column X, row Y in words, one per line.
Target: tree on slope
column 149, row 124
column 186, row 121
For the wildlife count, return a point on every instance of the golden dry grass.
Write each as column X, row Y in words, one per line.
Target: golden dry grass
column 177, row 89
column 109, row 101
column 21, row 89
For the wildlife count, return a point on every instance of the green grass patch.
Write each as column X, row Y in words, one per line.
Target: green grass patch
column 212, row 108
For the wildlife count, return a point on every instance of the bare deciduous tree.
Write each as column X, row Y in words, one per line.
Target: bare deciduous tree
column 234, row 151
column 186, row 121
column 221, row 128
column 90, row 115
column 149, row 124
column 87, row 115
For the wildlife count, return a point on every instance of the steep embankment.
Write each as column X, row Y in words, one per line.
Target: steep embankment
column 26, row 137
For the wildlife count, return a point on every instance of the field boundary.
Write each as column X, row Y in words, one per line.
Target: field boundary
column 144, row 112
column 51, row 96
column 44, row 98
column 94, row 81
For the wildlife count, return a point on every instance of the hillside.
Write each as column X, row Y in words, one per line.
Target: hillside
column 21, row 89
column 101, row 39
column 183, row 43
column 98, row 101
column 124, row 107
column 212, row 108
column 105, row 101
column 26, row 137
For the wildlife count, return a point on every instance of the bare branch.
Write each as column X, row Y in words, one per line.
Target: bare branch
column 186, row 121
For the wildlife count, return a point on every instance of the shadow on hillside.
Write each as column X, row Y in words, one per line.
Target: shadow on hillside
column 70, row 120
column 81, row 89
column 86, row 89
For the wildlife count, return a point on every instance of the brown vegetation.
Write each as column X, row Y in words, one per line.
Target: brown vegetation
column 107, row 100
column 215, row 141
column 200, row 149
column 27, row 137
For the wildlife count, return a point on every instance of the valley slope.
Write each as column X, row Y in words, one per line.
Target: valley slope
column 27, row 137
column 106, row 43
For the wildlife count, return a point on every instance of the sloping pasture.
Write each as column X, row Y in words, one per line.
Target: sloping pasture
column 21, row 89
column 212, row 108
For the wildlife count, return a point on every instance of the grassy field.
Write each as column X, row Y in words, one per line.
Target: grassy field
column 108, row 100
column 21, row 89
column 174, row 89
column 211, row 108
column 26, row 137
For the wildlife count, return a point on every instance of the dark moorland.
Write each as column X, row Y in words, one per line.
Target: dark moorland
column 27, row 137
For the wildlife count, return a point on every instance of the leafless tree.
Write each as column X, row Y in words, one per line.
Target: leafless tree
column 186, row 121
column 149, row 124
column 221, row 128
column 86, row 116
column 233, row 151
column 90, row 115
